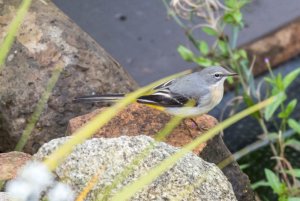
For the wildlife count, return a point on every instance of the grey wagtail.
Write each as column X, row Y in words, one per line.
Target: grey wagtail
column 190, row 95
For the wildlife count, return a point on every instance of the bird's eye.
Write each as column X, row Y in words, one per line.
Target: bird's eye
column 217, row 75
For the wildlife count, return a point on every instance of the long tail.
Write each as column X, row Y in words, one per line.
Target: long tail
column 99, row 98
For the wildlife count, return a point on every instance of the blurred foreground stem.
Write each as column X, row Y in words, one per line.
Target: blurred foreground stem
column 13, row 30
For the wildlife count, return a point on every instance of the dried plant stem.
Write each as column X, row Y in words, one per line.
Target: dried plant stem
column 274, row 151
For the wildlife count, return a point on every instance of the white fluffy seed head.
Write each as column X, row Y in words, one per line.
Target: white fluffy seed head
column 21, row 190
column 31, row 181
column 37, row 173
column 61, row 192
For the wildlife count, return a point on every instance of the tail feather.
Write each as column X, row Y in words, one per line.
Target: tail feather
column 99, row 98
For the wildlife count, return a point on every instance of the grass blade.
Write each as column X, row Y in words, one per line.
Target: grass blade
column 39, row 108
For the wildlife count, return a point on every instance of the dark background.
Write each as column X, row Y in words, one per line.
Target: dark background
column 139, row 35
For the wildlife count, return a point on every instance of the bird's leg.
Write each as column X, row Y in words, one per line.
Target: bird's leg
column 197, row 126
column 195, row 123
column 187, row 127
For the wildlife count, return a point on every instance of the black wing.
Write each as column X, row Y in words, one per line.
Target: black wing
column 164, row 85
column 164, row 98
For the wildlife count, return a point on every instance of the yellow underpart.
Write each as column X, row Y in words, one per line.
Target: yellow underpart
column 191, row 103
column 155, row 107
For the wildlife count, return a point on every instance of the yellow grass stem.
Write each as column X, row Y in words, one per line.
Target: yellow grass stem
column 87, row 130
column 129, row 190
column 12, row 30
column 40, row 107
column 226, row 162
column 171, row 125
column 90, row 185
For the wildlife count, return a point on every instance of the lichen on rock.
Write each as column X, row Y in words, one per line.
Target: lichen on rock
column 190, row 179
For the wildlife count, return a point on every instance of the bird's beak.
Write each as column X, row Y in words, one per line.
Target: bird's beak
column 231, row 74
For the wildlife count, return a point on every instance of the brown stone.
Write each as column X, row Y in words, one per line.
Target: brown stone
column 138, row 119
column 48, row 38
column 10, row 163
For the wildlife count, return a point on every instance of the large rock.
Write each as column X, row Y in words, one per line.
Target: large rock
column 137, row 119
column 190, row 179
column 48, row 38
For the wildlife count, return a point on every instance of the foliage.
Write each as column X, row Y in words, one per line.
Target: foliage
column 280, row 188
column 211, row 18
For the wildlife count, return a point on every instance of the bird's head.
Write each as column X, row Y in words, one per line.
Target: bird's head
column 216, row 75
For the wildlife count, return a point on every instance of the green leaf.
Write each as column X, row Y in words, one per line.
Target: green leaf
column 293, row 199
column 233, row 17
column 249, row 102
column 294, row 172
column 203, row 61
column 269, row 111
column 223, row 47
column 244, row 166
column 293, row 124
column 230, row 3
column 238, row 16
column 203, row 47
column 236, row 56
column 289, row 78
column 293, row 143
column 228, row 18
column 185, row 53
column 274, row 181
column 279, row 84
column 269, row 80
column 230, row 79
column 291, row 106
column 289, row 109
column 259, row 184
column 282, row 197
column 243, row 54
column 210, row 31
